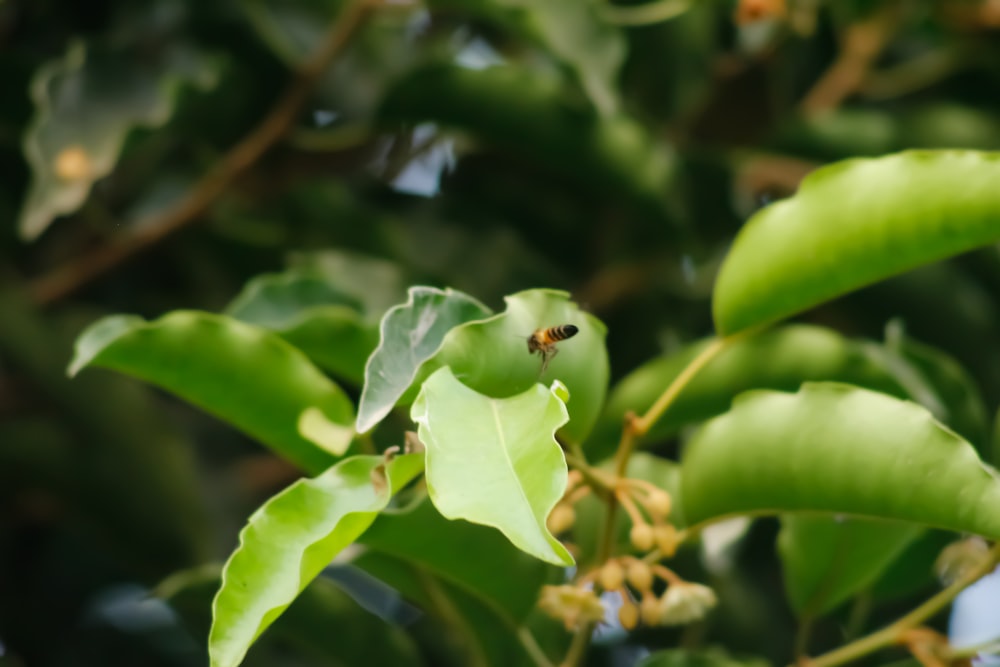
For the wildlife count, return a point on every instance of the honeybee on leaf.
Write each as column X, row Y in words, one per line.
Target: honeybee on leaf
column 543, row 341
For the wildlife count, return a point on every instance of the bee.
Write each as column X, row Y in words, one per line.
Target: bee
column 543, row 341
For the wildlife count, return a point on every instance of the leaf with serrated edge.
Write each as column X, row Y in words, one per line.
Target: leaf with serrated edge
column 411, row 333
column 840, row 449
column 243, row 374
column 290, row 539
column 495, row 461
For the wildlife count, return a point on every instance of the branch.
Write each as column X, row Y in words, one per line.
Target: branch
column 70, row 277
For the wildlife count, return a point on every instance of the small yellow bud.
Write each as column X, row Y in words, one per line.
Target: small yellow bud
column 649, row 610
column 571, row 605
column 658, row 503
column 641, row 536
column 628, row 615
column 666, row 539
column 612, row 576
column 639, row 576
column 574, row 478
column 561, row 518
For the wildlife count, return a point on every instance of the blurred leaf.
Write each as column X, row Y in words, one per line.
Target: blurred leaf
column 780, row 359
column 289, row 541
column 839, row 449
column 826, row 561
column 852, row 224
column 411, row 333
column 473, row 629
column 913, row 571
column 375, row 283
column 306, row 624
column 476, row 558
column 591, row 512
column 573, row 31
column 311, row 315
column 495, row 461
column 237, row 372
column 530, row 114
column 491, row 356
column 85, row 105
column 703, row 658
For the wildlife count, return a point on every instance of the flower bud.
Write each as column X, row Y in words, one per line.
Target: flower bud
column 561, row 518
column 641, row 536
column 658, row 503
column 649, row 610
column 628, row 615
column 666, row 539
column 639, row 576
column 612, row 576
column 685, row 602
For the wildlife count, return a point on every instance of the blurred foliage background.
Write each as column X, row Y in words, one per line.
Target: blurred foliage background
column 159, row 155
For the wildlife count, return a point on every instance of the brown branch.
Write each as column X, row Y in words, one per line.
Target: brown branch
column 72, row 276
column 863, row 43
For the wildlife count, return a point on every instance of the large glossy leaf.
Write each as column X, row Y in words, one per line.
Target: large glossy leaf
column 410, row 334
column 313, row 316
column 238, row 372
column 573, row 31
column 495, row 461
column 476, row 558
column 852, row 224
column 85, row 105
column 289, row 541
column 526, row 113
column 491, row 355
column 828, row 560
column 840, row 449
column 780, row 359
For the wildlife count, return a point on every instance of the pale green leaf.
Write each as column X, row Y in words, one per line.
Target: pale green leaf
column 291, row 538
column 495, row 461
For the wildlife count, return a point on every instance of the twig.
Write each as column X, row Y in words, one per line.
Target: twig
column 72, row 276
column 863, row 43
column 893, row 633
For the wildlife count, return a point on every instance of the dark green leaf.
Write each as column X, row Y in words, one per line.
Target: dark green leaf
column 238, row 372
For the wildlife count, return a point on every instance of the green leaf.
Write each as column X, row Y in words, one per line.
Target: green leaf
column 827, row 561
column 781, row 359
column 475, row 558
column 852, row 224
column 573, row 31
column 290, row 539
column 311, row 315
column 305, row 625
column 374, row 283
column 85, row 105
column 495, row 461
column 531, row 114
column 491, row 356
column 411, row 333
column 240, row 373
column 840, row 449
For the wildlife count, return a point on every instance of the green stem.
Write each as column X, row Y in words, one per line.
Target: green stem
column 891, row 634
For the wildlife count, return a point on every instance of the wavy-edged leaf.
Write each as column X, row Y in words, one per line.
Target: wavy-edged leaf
column 855, row 223
column 291, row 538
column 306, row 623
column 312, row 315
column 491, row 356
column 410, row 334
column 86, row 103
column 530, row 114
column 495, row 461
column 573, row 31
column 828, row 560
column 780, row 359
column 840, row 449
column 476, row 558
column 238, row 372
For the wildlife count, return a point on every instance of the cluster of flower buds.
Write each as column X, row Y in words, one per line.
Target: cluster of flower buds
column 656, row 532
column 573, row 605
column 682, row 602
